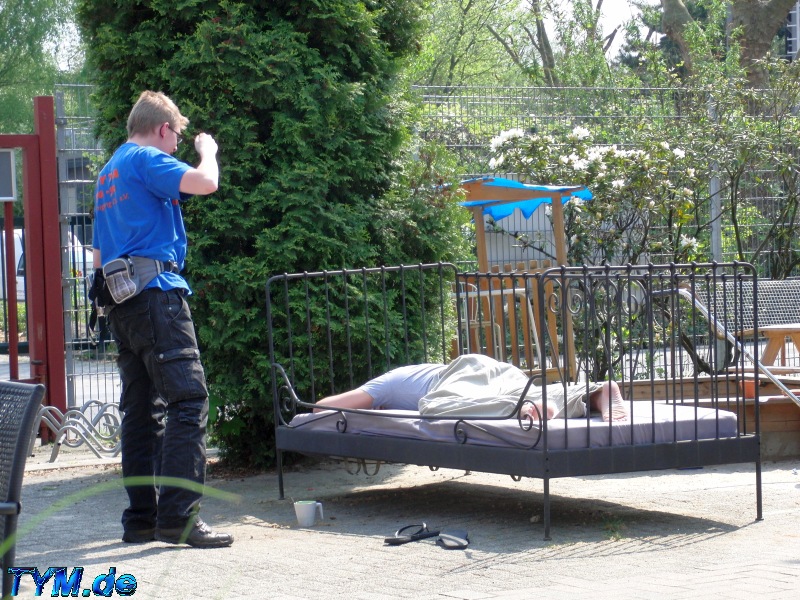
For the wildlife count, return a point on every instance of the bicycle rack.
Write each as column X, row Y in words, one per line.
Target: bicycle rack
column 75, row 427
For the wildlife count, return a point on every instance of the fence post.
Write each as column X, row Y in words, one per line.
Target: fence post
column 716, row 207
column 46, row 334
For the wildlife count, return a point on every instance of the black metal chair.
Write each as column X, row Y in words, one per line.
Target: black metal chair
column 19, row 405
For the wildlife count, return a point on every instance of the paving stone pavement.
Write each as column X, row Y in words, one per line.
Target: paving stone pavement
column 664, row 534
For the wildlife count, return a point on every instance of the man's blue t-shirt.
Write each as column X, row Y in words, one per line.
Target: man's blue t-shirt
column 137, row 209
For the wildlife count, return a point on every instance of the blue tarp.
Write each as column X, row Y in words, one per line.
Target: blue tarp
column 527, row 207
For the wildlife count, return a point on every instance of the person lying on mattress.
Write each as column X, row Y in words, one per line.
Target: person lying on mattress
column 476, row 385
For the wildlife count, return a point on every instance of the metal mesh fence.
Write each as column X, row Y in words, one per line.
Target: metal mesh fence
column 90, row 360
column 465, row 119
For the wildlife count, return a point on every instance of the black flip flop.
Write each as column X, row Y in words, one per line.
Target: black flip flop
column 453, row 539
column 410, row 533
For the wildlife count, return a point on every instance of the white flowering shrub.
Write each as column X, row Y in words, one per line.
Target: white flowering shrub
column 645, row 201
column 645, row 207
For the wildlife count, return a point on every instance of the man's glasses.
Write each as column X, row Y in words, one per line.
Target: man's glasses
column 177, row 135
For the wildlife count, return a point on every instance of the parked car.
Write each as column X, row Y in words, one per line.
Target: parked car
column 19, row 266
column 79, row 256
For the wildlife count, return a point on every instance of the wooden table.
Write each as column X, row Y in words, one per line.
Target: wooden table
column 776, row 340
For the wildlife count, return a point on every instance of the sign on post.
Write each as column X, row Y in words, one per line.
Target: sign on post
column 8, row 176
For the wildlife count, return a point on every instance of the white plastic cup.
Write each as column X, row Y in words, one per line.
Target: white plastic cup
column 306, row 511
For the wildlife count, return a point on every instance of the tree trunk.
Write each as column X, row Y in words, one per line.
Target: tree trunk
column 760, row 20
column 674, row 20
column 543, row 46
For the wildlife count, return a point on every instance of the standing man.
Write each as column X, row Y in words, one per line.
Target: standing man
column 140, row 241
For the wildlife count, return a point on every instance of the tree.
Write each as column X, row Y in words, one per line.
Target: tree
column 29, row 33
column 534, row 56
column 460, row 46
column 300, row 95
column 753, row 22
column 580, row 59
column 510, row 42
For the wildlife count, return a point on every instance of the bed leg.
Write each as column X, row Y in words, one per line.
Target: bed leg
column 279, row 465
column 759, row 502
column 546, row 509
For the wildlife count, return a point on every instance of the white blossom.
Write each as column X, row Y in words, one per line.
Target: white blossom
column 496, row 162
column 575, row 203
column 679, row 153
column 688, row 243
column 632, row 154
column 596, row 154
column 618, row 183
column 579, row 133
column 506, row 136
column 580, row 165
column 664, row 145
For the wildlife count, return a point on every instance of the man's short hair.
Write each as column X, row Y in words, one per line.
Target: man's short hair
column 153, row 109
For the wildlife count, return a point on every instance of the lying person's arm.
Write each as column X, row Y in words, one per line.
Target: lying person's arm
column 350, row 399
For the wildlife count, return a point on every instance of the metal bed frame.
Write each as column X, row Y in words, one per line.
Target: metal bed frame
column 331, row 331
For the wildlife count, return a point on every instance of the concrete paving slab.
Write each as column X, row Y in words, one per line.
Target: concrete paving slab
column 667, row 534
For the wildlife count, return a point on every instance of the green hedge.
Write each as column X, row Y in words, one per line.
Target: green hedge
column 302, row 98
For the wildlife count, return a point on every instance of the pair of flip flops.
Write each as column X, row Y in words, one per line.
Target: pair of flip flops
column 451, row 539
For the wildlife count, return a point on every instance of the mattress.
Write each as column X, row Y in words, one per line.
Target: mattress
column 649, row 423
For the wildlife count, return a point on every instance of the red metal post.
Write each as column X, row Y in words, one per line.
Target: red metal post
column 32, row 188
column 11, row 291
column 47, row 217
column 34, row 267
column 43, row 277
